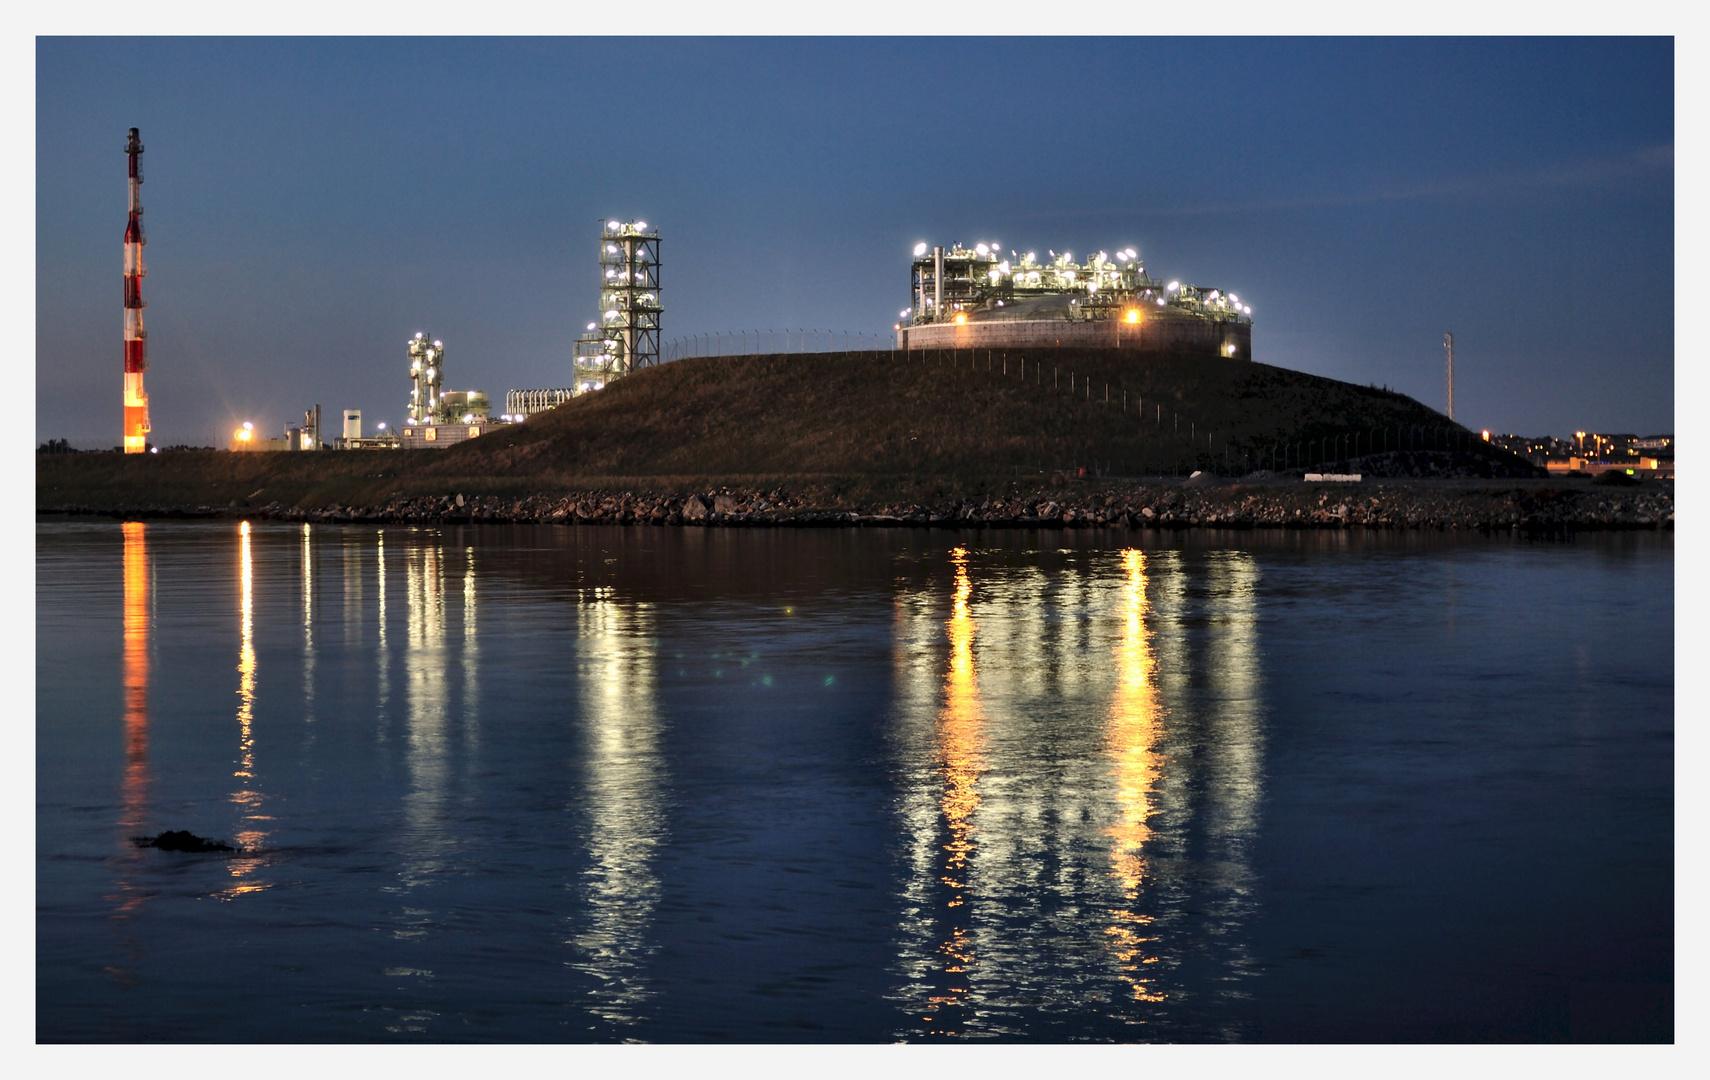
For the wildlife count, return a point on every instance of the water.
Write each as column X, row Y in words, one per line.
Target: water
column 598, row 784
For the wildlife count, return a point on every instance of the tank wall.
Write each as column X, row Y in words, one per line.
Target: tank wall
column 1154, row 335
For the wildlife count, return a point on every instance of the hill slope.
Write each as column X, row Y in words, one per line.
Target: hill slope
column 876, row 422
column 958, row 414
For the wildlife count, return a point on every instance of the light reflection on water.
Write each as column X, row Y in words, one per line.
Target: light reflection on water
column 247, row 796
column 1061, row 784
column 622, row 787
column 1069, row 786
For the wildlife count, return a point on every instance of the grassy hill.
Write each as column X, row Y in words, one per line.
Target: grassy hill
column 872, row 422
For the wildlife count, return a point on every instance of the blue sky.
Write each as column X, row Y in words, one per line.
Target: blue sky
column 313, row 202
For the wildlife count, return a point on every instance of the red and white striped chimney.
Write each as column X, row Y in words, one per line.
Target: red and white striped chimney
column 136, row 338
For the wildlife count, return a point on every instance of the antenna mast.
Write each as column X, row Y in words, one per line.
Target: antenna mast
column 1449, row 351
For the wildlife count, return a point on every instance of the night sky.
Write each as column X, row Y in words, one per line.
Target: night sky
column 312, row 203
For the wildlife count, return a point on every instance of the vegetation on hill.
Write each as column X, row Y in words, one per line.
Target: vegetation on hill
column 876, row 423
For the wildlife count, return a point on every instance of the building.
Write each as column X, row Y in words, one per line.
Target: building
column 247, row 440
column 436, row 436
column 524, row 403
column 975, row 298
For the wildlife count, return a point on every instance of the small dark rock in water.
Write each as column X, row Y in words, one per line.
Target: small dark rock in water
column 180, row 840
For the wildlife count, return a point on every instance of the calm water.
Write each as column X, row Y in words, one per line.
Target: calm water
column 592, row 784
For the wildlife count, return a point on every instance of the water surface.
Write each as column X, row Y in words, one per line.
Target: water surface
column 543, row 783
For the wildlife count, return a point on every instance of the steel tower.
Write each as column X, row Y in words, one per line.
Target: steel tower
column 626, row 336
column 136, row 338
column 427, row 375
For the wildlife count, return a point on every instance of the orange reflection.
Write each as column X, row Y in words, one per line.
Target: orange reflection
column 246, row 796
column 1131, row 741
column 961, row 740
column 133, row 788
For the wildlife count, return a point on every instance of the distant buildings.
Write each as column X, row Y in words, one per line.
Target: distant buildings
column 1592, row 452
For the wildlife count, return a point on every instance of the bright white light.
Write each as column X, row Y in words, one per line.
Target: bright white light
column 1004, row 266
column 591, row 326
column 1173, row 286
column 439, row 344
column 613, row 248
column 1233, row 299
column 1029, row 256
column 982, row 249
column 903, row 314
column 919, row 250
column 1160, row 301
column 641, row 226
column 247, row 426
column 1122, row 256
column 1246, row 311
column 612, row 225
column 612, row 314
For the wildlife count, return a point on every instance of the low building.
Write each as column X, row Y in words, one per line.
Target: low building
column 437, row 436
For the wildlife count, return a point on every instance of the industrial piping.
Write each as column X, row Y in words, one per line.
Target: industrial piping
column 136, row 338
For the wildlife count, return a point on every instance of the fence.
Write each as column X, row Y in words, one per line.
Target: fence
column 1180, row 443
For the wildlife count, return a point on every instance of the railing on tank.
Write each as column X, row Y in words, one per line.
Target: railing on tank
column 759, row 342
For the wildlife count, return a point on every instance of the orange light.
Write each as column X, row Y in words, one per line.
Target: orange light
column 960, row 319
column 1133, row 315
column 1487, row 436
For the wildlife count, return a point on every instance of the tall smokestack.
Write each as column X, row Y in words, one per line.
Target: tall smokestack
column 136, row 338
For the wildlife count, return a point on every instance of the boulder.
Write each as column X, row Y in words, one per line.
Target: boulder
column 694, row 509
column 180, row 840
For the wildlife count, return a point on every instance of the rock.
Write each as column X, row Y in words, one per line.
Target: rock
column 180, row 840
column 724, row 504
column 694, row 509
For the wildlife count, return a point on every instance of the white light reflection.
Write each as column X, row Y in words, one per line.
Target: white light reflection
column 247, row 796
column 308, row 627
column 617, row 680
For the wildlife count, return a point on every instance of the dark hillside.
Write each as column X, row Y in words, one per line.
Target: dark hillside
column 876, row 424
column 953, row 414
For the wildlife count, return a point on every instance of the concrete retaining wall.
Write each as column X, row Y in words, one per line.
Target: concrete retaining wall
column 1189, row 335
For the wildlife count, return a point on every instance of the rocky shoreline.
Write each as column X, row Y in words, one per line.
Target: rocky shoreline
column 1258, row 502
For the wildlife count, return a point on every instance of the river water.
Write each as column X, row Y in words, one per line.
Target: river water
column 547, row 783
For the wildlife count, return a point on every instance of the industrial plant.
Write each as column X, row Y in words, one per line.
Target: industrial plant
column 963, row 298
column 959, row 298
column 625, row 337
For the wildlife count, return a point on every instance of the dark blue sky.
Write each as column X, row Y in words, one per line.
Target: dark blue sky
column 312, row 202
